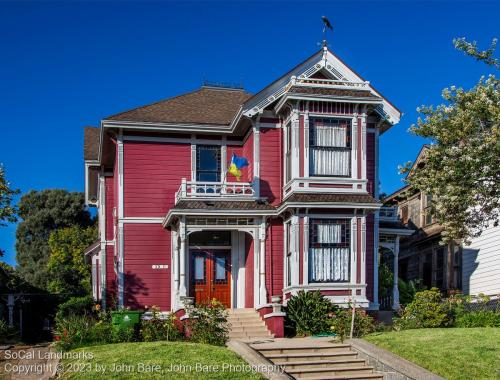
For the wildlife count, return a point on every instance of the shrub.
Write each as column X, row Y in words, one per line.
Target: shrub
column 76, row 306
column 309, row 312
column 101, row 332
column 73, row 331
column 208, row 323
column 124, row 335
column 426, row 310
column 6, row 332
column 483, row 318
column 157, row 328
column 341, row 323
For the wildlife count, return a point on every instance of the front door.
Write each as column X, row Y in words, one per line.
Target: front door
column 211, row 275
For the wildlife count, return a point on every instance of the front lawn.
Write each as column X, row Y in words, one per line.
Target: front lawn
column 454, row 353
column 157, row 360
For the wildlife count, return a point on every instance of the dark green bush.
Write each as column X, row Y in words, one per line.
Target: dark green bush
column 341, row 323
column 426, row 310
column 157, row 328
column 484, row 318
column 7, row 333
column 208, row 323
column 76, row 306
column 309, row 312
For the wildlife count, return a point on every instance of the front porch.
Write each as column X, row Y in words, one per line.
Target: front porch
column 222, row 258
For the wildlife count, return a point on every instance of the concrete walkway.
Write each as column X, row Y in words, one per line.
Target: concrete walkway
column 28, row 363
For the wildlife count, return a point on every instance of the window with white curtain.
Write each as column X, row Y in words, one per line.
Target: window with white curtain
column 329, row 250
column 330, row 147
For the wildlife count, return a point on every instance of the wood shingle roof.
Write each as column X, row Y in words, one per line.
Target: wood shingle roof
column 208, row 105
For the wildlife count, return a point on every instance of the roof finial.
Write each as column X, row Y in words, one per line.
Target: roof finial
column 326, row 24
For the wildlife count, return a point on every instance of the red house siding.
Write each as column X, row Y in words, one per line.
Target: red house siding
column 248, row 154
column 274, row 258
column 270, row 164
column 369, row 256
column 249, row 275
column 152, row 174
column 146, row 245
column 370, row 162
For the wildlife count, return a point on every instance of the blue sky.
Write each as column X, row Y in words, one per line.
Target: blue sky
column 64, row 65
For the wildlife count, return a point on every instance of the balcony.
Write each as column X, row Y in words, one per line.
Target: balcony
column 203, row 190
column 389, row 214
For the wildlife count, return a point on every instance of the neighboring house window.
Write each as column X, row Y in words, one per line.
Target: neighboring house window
column 330, row 147
column 429, row 218
column 414, row 211
column 208, row 163
column 329, row 250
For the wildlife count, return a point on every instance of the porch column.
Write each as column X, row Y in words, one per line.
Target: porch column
column 395, row 290
column 175, row 269
column 182, row 259
column 262, row 263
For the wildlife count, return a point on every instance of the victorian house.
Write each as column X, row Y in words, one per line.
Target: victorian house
column 468, row 268
column 176, row 224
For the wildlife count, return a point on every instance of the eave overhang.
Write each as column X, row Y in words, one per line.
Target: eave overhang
column 396, row 231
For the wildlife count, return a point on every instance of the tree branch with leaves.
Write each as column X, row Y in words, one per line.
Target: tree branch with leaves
column 462, row 165
column 8, row 211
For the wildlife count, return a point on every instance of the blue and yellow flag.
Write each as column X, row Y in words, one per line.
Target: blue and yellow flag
column 237, row 163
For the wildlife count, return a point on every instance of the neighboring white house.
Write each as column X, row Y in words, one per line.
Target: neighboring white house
column 481, row 264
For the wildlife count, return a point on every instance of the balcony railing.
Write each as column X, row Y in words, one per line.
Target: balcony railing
column 194, row 189
column 389, row 213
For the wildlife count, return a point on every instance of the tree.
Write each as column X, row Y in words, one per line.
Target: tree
column 43, row 212
column 7, row 210
column 68, row 272
column 462, row 165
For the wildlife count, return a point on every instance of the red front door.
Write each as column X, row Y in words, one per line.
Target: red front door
column 211, row 276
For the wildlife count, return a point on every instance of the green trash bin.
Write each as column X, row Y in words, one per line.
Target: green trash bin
column 126, row 318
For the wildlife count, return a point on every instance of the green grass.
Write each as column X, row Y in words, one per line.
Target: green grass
column 162, row 354
column 453, row 353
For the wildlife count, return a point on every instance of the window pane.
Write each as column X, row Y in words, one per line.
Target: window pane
column 330, row 153
column 208, row 163
column 329, row 250
column 199, row 268
column 220, row 268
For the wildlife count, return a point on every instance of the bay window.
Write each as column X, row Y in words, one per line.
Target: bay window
column 330, row 147
column 329, row 250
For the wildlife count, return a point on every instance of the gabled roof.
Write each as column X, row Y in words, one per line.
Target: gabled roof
column 208, row 105
column 325, row 61
column 91, row 143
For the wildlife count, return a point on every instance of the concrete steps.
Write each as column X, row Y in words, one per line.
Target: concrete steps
column 313, row 359
column 246, row 324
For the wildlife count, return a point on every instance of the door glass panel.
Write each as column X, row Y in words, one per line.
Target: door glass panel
column 199, row 269
column 220, row 268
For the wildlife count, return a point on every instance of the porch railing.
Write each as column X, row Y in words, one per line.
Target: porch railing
column 389, row 213
column 194, row 189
